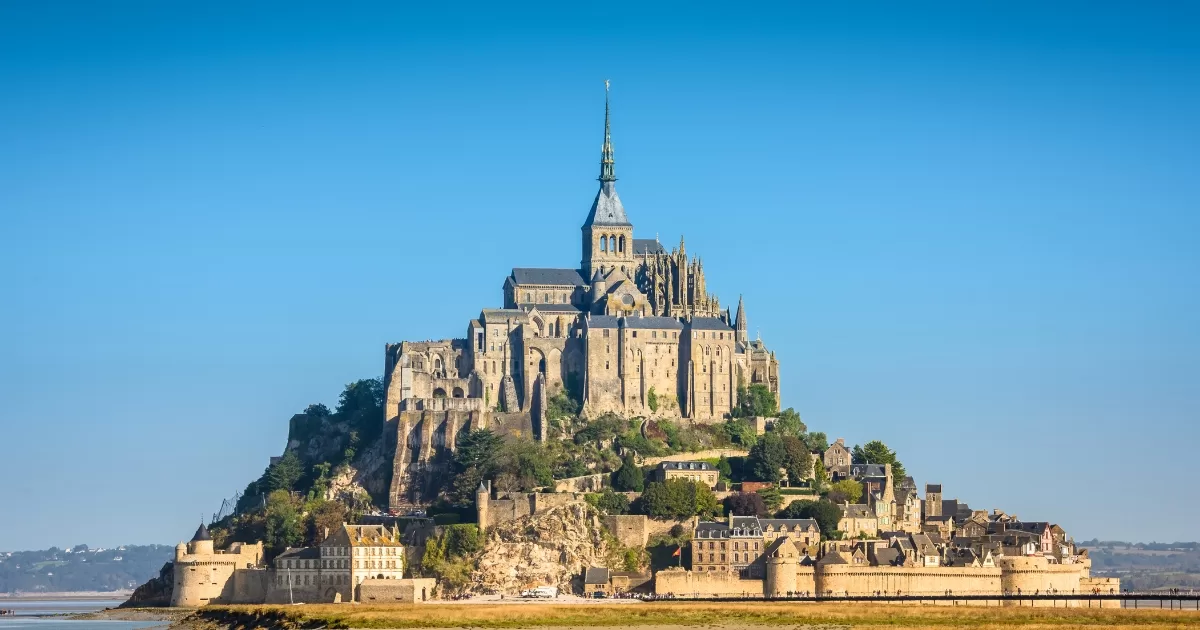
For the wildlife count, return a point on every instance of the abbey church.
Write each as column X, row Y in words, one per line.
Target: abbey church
column 632, row 330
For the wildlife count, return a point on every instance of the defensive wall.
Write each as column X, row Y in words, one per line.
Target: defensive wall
column 205, row 576
column 684, row 583
column 1012, row 575
column 408, row 591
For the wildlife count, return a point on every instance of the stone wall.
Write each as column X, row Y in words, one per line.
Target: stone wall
column 408, row 591
column 840, row 579
column 630, row 530
column 712, row 453
column 586, row 483
column 684, row 583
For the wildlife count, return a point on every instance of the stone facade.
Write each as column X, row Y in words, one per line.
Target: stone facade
column 633, row 331
column 788, row 572
column 204, row 575
column 702, row 472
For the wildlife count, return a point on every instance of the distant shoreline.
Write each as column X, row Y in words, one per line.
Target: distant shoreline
column 65, row 596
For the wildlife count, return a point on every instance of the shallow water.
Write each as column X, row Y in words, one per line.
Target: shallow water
column 31, row 614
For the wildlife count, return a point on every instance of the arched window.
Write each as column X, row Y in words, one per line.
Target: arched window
column 622, row 247
column 603, row 243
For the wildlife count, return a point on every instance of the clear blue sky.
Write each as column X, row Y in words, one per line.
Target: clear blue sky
column 970, row 232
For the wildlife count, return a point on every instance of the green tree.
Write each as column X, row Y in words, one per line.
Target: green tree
column 820, row 477
column 360, row 405
column 824, row 513
column 560, row 406
column 817, row 442
column 610, row 502
column 324, row 518
column 745, row 504
column 629, row 477
column 523, row 464
column 724, row 468
column 283, row 474
column 285, row 528
column 652, row 400
column 876, row 452
column 845, row 491
column 797, row 460
column 462, row 540
column 756, row 400
column 740, row 432
column 772, row 498
column 767, row 457
column 679, row 499
column 788, row 423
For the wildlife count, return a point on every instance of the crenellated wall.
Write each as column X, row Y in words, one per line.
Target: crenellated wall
column 842, row 579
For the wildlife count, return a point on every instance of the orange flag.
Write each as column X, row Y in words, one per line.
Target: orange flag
column 677, row 550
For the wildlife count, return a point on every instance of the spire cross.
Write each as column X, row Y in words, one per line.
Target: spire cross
column 607, row 170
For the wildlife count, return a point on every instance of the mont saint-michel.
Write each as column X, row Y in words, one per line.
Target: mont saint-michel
column 631, row 331
column 610, row 430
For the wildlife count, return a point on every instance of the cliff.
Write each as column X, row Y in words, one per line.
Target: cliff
column 548, row 549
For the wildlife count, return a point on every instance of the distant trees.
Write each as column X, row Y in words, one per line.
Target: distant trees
column 767, row 458
column 284, row 523
column 629, row 477
column 755, row 400
column 745, row 504
column 826, row 514
column 609, row 502
column 679, row 499
column 876, row 452
column 845, row 491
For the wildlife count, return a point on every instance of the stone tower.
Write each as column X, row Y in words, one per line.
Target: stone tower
column 482, row 496
column 933, row 499
column 740, row 323
column 607, row 233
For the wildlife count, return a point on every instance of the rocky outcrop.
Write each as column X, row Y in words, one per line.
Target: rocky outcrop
column 548, row 549
column 155, row 592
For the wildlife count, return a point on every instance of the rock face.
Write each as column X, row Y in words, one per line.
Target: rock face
column 548, row 549
column 155, row 592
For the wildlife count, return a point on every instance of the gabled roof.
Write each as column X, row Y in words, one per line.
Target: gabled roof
column 552, row 308
column 300, row 553
column 790, row 523
column 502, row 315
column 653, row 322
column 550, row 277
column 596, row 575
column 886, row 556
column 685, row 466
column 868, row 470
column 601, row 321
column 642, row 246
column 709, row 323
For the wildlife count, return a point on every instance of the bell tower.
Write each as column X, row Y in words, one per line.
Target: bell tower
column 607, row 233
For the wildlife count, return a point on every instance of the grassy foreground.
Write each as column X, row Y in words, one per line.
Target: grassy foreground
column 678, row 615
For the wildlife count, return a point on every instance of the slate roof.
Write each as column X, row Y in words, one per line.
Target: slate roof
column 791, row 523
column 933, row 487
column 553, row 277
column 774, row 545
column 300, row 553
column 653, row 322
column 553, row 308
column 596, row 575
column 201, row 533
column 868, row 470
column 685, row 466
column 712, row 529
column 886, row 556
column 858, row 510
column 607, row 208
column 642, row 246
column 709, row 323
column 601, row 321
column 501, row 315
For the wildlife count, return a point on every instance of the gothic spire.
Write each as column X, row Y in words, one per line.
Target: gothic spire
column 740, row 321
column 607, row 170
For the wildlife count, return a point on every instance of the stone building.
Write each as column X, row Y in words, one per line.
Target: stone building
column 702, row 472
column 837, row 459
column 738, row 544
column 333, row 569
column 633, row 330
column 205, row 576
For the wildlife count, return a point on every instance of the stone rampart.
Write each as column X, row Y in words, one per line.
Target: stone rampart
column 843, row 579
column 408, row 591
column 585, row 483
column 712, row 453
column 685, row 583
column 630, row 530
